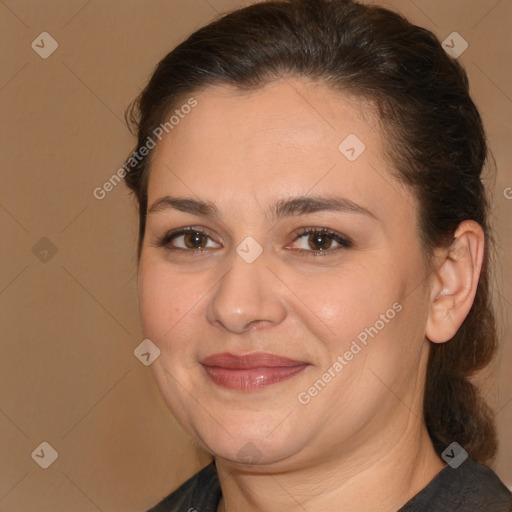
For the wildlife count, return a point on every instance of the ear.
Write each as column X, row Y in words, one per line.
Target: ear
column 454, row 282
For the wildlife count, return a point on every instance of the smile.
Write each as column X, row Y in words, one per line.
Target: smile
column 250, row 372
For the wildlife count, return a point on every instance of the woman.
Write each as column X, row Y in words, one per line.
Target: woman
column 313, row 262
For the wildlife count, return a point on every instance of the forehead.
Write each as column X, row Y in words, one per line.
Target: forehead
column 286, row 138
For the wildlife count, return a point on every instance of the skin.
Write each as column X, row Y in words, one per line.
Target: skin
column 361, row 442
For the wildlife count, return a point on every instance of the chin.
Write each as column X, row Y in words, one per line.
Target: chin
column 238, row 447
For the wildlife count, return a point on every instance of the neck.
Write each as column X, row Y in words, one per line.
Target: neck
column 383, row 477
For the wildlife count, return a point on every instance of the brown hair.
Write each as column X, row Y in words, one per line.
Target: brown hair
column 434, row 139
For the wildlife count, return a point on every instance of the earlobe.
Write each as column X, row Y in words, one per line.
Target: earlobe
column 454, row 282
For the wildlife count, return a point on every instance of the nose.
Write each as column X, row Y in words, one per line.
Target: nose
column 248, row 296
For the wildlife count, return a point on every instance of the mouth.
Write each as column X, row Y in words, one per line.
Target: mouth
column 251, row 371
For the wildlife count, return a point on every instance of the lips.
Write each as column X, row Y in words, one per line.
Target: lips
column 251, row 371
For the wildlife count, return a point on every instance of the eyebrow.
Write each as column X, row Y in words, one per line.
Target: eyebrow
column 301, row 205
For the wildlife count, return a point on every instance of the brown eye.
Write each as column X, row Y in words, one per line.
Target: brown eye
column 319, row 241
column 195, row 240
column 315, row 241
column 187, row 239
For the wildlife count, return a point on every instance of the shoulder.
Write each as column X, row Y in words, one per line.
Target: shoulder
column 201, row 492
column 470, row 487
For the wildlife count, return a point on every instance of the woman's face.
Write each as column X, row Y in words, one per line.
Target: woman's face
column 258, row 176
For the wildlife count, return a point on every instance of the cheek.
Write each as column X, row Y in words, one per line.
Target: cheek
column 166, row 300
column 336, row 306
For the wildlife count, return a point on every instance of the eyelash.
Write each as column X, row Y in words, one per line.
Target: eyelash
column 344, row 242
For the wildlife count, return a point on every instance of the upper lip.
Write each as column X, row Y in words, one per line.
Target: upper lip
column 256, row 360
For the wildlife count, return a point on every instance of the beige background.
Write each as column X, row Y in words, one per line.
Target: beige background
column 70, row 323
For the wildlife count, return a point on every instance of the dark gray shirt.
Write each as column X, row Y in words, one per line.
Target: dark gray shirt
column 472, row 487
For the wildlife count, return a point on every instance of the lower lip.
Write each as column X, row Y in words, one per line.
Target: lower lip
column 249, row 379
